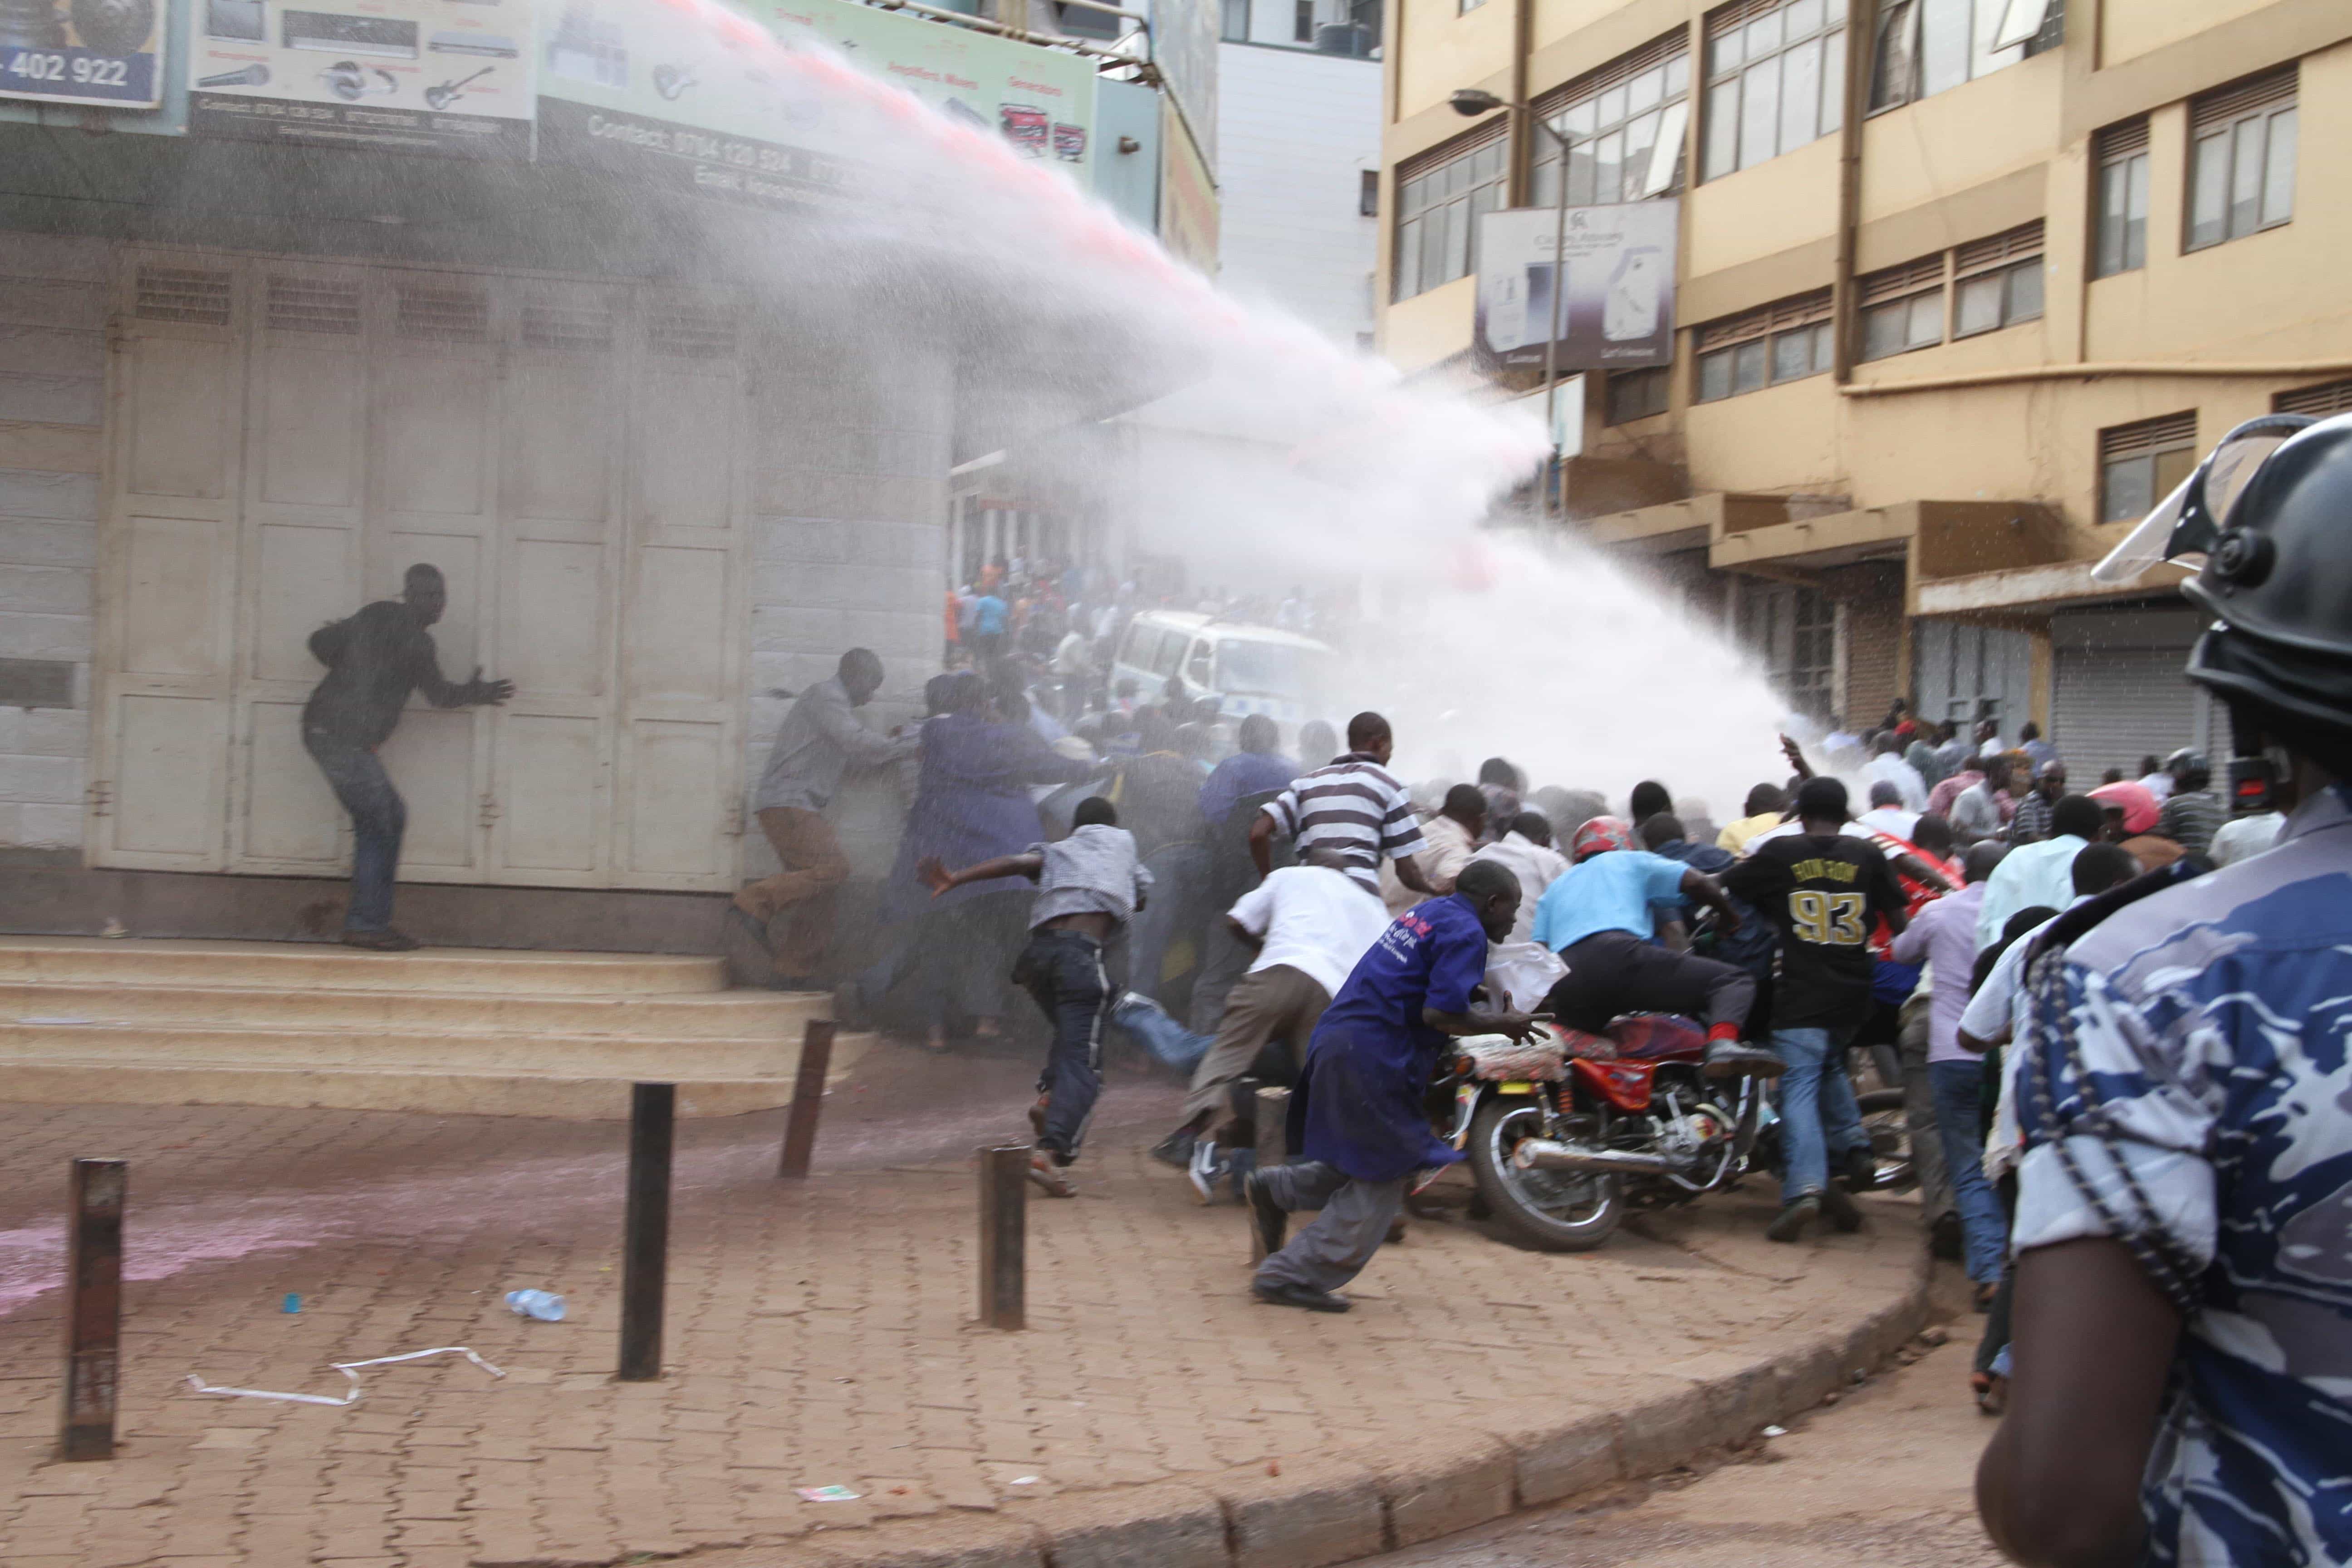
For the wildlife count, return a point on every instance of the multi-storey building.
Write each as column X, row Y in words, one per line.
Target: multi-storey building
column 1963, row 286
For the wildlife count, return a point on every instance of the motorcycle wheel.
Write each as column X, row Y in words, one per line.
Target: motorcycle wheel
column 1882, row 1117
column 1552, row 1211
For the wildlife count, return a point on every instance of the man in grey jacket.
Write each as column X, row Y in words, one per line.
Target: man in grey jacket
column 819, row 740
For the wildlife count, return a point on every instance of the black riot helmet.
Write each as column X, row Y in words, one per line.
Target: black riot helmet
column 2270, row 512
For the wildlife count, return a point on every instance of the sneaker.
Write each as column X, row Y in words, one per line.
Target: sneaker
column 1272, row 1220
column 1307, row 1296
column 1860, row 1169
column 1204, row 1171
column 1734, row 1058
column 1838, row 1203
column 1045, row 1174
column 384, row 940
column 1175, row 1150
column 1037, row 1115
column 1791, row 1223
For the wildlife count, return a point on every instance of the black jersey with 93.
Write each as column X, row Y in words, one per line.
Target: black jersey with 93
column 1826, row 895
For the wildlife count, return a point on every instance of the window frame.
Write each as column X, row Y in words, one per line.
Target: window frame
column 2320, row 400
column 1488, row 143
column 1586, row 98
column 2007, row 257
column 1902, row 29
column 1908, row 285
column 2163, row 448
column 2121, row 156
column 1228, row 11
column 1614, row 394
column 1727, row 69
column 2221, row 116
column 1368, row 193
column 1757, row 337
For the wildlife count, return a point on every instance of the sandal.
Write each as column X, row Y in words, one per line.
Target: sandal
column 1992, row 1393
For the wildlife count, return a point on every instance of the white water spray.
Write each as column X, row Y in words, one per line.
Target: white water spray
column 1486, row 643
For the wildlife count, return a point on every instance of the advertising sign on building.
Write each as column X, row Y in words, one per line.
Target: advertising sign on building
column 631, row 88
column 1616, row 308
column 638, row 90
column 1188, row 194
column 103, row 52
column 453, row 77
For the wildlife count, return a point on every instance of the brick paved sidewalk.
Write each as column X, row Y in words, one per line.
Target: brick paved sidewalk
column 818, row 1333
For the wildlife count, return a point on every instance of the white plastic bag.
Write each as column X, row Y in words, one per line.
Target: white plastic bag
column 1520, row 975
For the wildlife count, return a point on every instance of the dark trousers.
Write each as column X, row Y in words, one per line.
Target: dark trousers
column 958, row 950
column 379, row 817
column 1063, row 971
column 1614, row 972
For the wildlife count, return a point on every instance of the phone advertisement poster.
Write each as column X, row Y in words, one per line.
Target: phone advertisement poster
column 1616, row 311
column 449, row 78
column 108, row 53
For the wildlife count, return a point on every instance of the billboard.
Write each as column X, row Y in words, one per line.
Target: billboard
column 627, row 87
column 453, row 77
column 108, row 53
column 1616, row 309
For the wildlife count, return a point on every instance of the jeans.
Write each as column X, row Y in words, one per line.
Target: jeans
column 1958, row 1086
column 379, row 817
column 1819, row 1118
column 1171, row 1045
column 1063, row 971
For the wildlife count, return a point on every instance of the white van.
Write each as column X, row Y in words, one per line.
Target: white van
column 1248, row 669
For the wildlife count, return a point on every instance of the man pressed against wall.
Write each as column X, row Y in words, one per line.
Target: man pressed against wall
column 374, row 659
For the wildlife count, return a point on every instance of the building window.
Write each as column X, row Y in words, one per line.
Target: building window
column 1793, row 631
column 1625, row 124
column 1466, row 7
column 2140, row 464
column 1302, row 21
column 2120, row 243
column 1902, row 308
column 1441, row 196
column 1636, row 393
column 1997, row 282
column 1775, row 80
column 2242, row 160
column 1368, row 193
column 1787, row 341
column 1926, row 47
column 2319, row 402
column 1235, row 17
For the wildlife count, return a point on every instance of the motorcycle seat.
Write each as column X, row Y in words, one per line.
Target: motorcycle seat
column 1499, row 1059
column 1657, row 1036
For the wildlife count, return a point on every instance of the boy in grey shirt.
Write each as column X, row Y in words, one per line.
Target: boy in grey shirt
column 1089, row 887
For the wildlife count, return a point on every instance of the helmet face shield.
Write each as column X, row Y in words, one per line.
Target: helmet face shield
column 2185, row 523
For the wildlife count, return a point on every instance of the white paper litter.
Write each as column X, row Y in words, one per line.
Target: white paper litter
column 350, row 1369
column 1776, row 1431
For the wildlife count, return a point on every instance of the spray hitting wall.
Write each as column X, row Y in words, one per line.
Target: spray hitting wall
column 1477, row 642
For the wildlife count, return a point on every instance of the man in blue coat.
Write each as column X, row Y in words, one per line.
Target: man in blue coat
column 1359, row 1118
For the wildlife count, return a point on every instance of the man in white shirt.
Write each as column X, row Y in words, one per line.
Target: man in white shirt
column 1888, row 814
column 1452, row 836
column 2042, row 872
column 1311, row 924
column 2246, row 837
column 1527, row 850
column 1073, row 662
column 1886, row 766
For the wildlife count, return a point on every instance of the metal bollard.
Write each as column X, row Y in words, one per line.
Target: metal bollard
column 1273, row 1145
column 644, row 1240
column 1004, row 1237
column 808, row 1100
column 95, row 1192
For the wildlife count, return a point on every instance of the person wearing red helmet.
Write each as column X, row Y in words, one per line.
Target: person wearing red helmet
column 1599, row 919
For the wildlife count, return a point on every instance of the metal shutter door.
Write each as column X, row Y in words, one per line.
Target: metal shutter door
column 2111, row 706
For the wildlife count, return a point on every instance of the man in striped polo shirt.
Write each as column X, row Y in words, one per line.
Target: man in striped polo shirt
column 1355, row 807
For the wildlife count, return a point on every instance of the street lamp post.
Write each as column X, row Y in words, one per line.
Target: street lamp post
column 1470, row 103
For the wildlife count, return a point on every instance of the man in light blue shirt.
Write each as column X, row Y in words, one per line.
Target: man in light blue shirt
column 1598, row 918
column 2042, row 873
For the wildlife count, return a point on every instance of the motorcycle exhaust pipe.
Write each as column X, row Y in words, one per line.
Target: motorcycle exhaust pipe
column 1551, row 1155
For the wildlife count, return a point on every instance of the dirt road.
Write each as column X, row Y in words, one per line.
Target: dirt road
column 1882, row 1479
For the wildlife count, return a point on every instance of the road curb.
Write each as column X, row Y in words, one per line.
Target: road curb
column 1326, row 1509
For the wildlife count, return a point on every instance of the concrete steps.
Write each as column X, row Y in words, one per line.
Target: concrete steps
column 478, row 1032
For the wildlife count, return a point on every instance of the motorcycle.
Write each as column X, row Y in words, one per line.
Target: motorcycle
column 1567, row 1132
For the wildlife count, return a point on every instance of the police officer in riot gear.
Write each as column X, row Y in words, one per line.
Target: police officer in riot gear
column 2183, row 1320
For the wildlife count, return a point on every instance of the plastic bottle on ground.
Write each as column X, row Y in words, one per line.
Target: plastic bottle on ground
column 544, row 1305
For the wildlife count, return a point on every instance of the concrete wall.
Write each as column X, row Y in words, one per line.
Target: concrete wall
column 2129, row 29
column 1297, row 130
column 52, row 384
